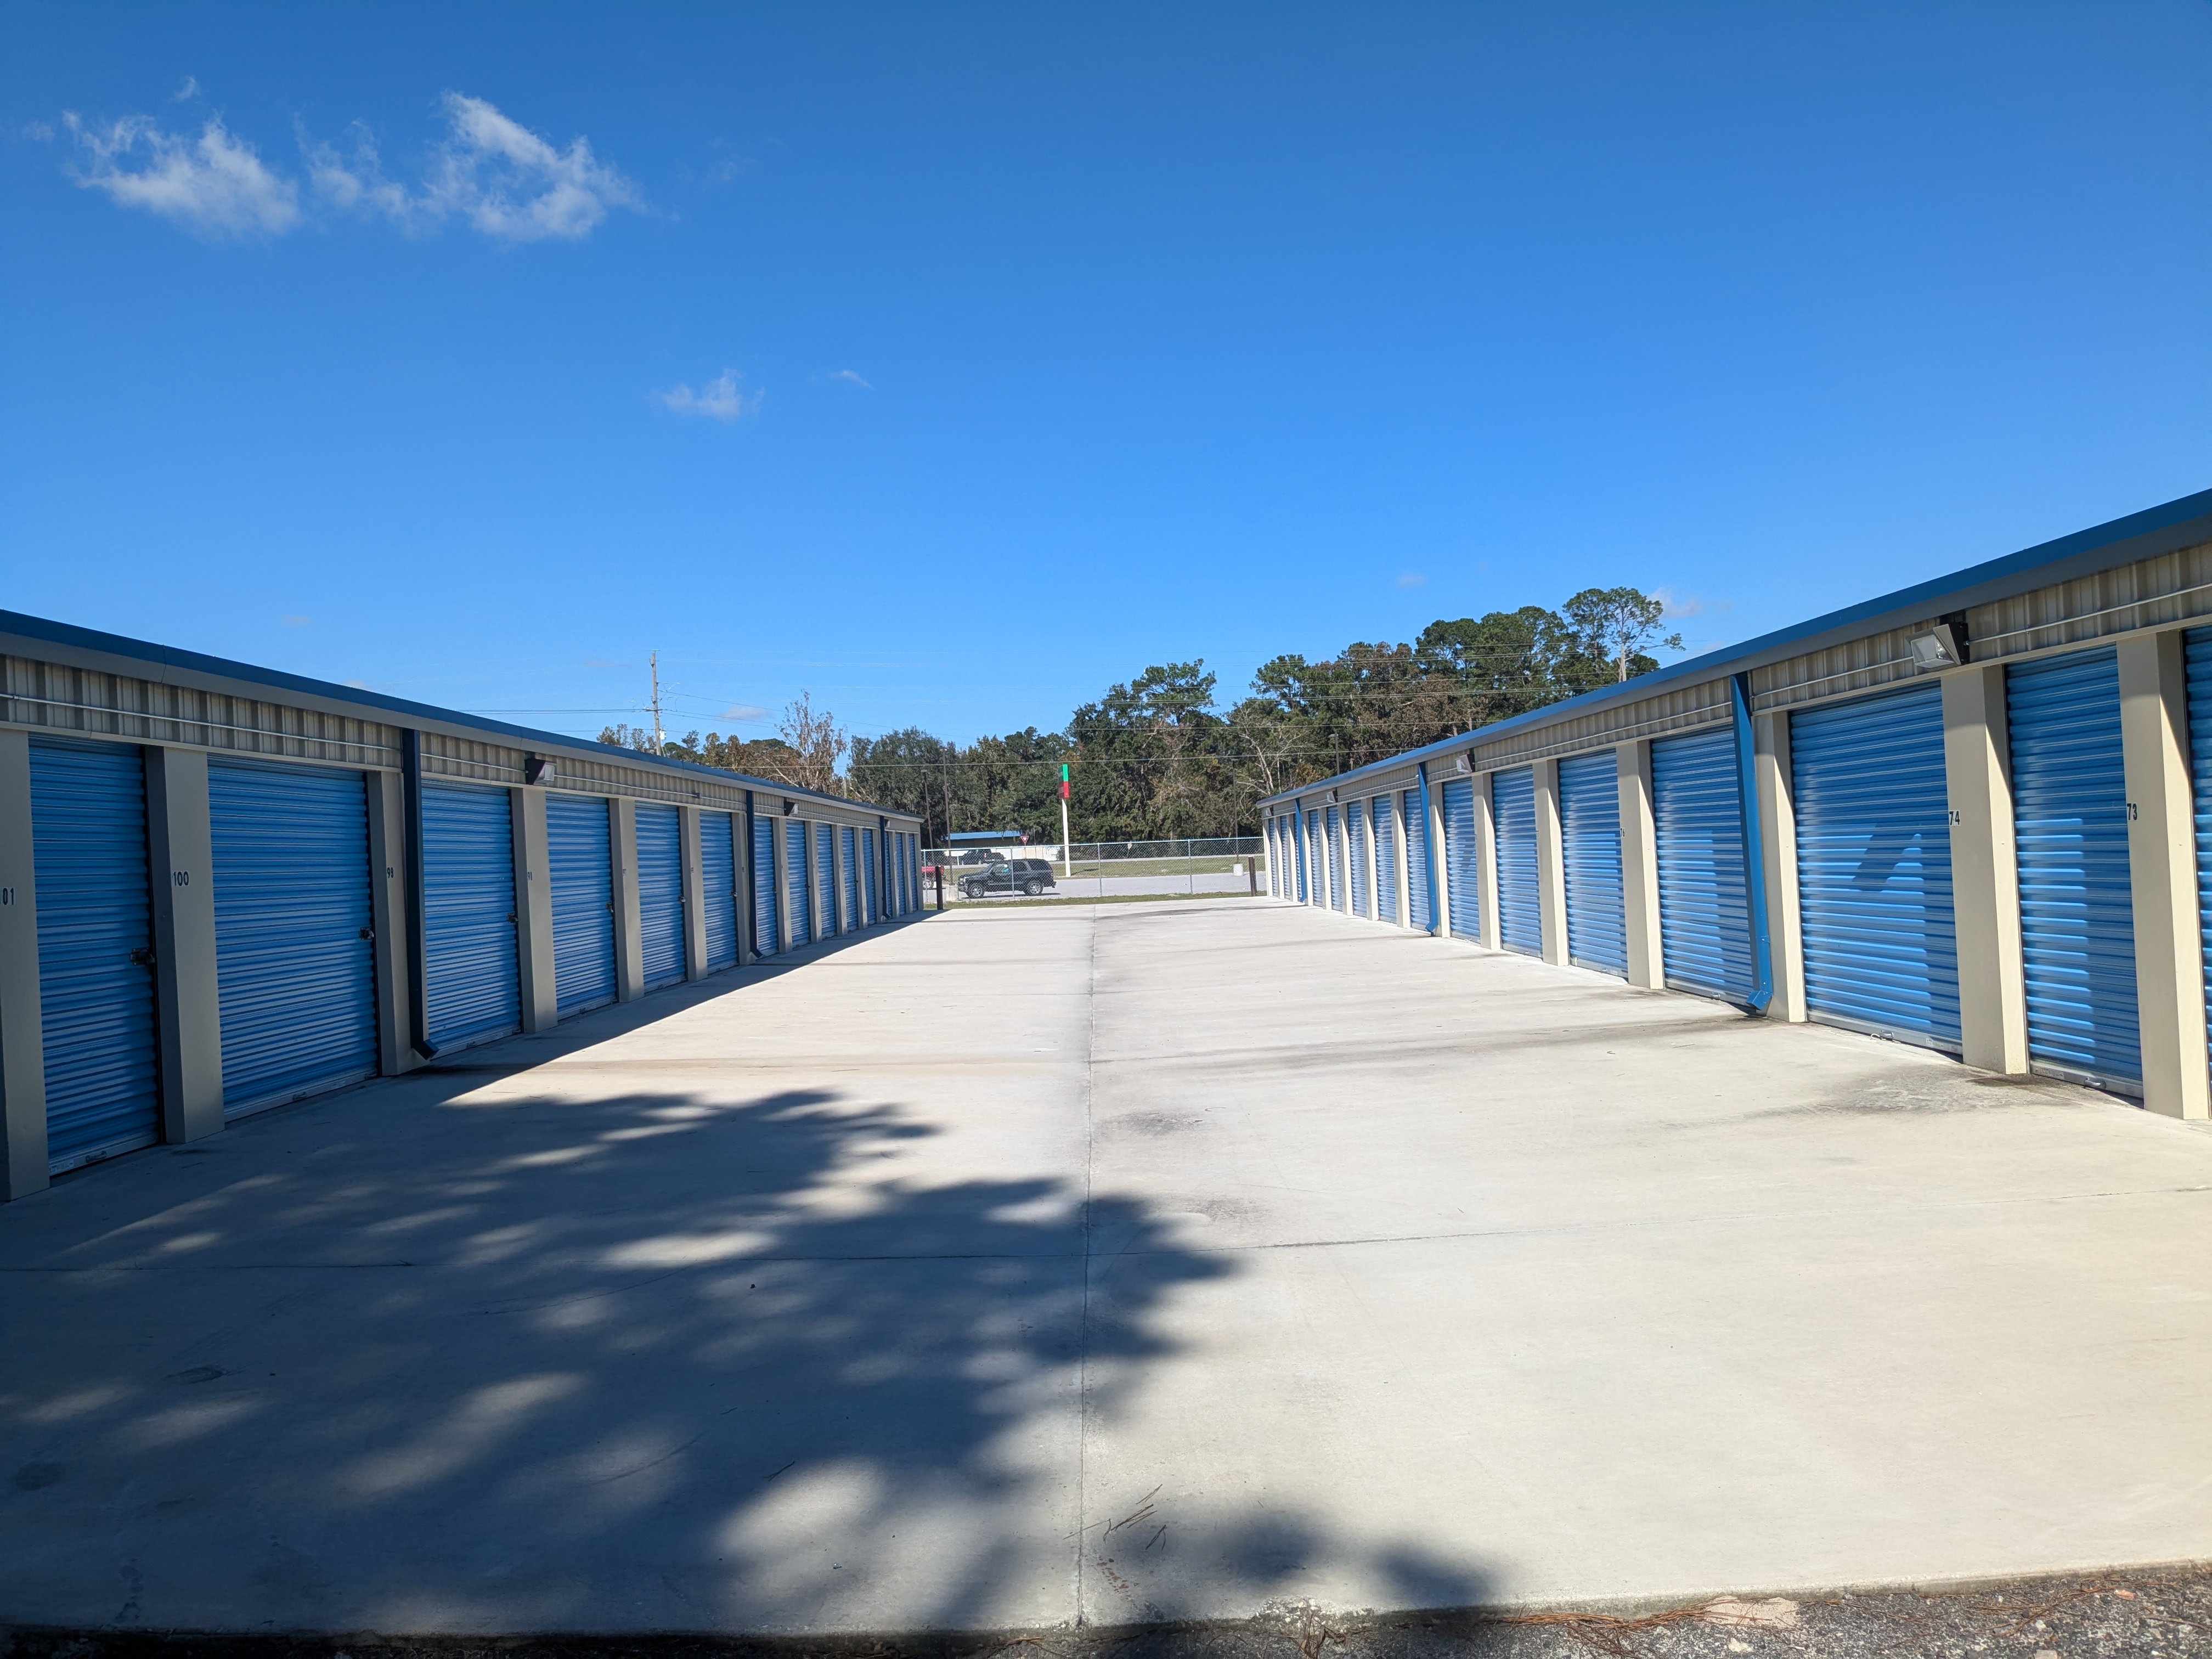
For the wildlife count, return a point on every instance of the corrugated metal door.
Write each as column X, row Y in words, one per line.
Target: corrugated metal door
column 871, row 878
column 1333, row 827
column 718, row 887
column 2076, row 907
column 1386, row 860
column 470, row 980
column 1590, row 840
column 659, row 894
column 1355, row 820
column 1520, row 908
column 95, row 950
column 1872, row 800
column 581, row 857
column 2198, row 653
column 768, row 914
column 798, row 887
column 1705, row 914
column 825, row 877
column 1417, row 862
column 295, row 965
column 1462, row 859
column 849, row 868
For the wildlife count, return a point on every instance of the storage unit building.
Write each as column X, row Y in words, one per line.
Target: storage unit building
column 224, row 890
column 1974, row 816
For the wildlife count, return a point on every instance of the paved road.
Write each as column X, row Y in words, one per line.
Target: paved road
column 1126, row 1262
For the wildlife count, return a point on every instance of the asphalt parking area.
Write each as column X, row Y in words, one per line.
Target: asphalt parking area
column 1113, row 1264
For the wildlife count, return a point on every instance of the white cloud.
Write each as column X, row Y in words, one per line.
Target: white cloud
column 490, row 170
column 296, row 622
column 720, row 399
column 187, row 92
column 1412, row 578
column 847, row 375
column 742, row 711
column 214, row 184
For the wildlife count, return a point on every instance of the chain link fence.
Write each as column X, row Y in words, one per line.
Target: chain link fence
column 1187, row 866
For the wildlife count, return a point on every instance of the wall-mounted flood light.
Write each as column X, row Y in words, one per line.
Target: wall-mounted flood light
column 1944, row 646
column 536, row 769
column 789, row 807
column 1463, row 763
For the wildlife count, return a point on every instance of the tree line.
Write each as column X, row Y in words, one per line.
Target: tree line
column 1159, row 759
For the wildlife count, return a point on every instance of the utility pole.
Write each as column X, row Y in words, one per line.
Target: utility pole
column 660, row 738
column 1066, row 852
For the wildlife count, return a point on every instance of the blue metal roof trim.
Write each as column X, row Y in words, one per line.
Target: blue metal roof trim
column 144, row 651
column 2186, row 522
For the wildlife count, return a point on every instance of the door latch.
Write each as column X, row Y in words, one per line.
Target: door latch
column 142, row 957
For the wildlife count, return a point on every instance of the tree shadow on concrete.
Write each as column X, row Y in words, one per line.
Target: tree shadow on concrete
column 496, row 1352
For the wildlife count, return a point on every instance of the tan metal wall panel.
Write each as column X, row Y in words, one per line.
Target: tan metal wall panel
column 56, row 697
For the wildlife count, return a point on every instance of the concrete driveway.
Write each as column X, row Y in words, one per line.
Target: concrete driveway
column 1006, row 1268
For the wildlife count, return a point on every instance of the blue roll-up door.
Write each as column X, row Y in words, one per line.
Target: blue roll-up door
column 659, row 894
column 871, row 878
column 1872, row 803
column 1333, row 827
column 1462, row 859
column 799, row 891
column 848, row 868
column 825, row 877
column 1355, row 831
column 718, row 887
column 471, row 983
column 582, row 854
column 2076, row 907
column 1386, row 860
column 1520, row 906
column 1589, row 843
column 95, row 950
column 2197, row 655
column 1295, row 839
column 768, row 914
column 1705, row 915
column 296, row 964
column 1417, row 862
column 914, row 867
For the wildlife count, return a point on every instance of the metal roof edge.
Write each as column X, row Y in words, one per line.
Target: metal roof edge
column 177, row 666
column 2185, row 521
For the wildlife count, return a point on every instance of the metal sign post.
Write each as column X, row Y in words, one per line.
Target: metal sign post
column 1066, row 852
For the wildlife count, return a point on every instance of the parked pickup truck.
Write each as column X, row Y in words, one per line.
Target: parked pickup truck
column 1030, row 876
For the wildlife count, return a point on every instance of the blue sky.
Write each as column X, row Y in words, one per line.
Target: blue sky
column 951, row 362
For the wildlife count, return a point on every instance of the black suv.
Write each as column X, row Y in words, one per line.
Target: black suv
column 1030, row 876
